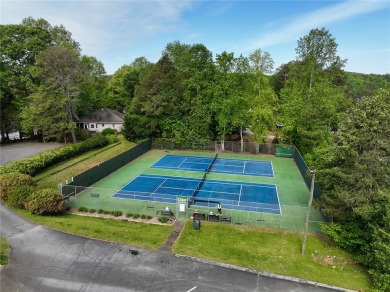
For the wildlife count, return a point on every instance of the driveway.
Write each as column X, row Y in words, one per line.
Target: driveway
column 19, row 150
column 42, row 259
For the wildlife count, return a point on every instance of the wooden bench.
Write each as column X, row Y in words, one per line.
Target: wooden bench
column 166, row 213
column 199, row 216
column 67, row 197
column 214, row 218
column 226, row 219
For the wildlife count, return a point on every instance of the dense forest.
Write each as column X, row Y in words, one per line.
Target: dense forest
column 338, row 120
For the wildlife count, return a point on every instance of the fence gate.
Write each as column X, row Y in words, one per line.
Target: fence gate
column 181, row 207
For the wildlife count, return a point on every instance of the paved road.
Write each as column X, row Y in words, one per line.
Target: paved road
column 19, row 150
column 43, row 259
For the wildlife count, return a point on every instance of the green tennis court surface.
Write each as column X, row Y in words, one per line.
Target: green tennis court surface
column 292, row 192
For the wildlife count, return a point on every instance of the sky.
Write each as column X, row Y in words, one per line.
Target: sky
column 116, row 32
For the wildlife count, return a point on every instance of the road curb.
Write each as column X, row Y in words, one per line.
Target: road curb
column 266, row 274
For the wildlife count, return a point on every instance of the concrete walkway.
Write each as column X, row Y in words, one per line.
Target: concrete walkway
column 42, row 259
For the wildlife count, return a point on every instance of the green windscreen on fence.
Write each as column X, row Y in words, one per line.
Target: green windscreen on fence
column 283, row 151
column 304, row 170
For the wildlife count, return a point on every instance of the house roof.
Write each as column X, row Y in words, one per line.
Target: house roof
column 103, row 116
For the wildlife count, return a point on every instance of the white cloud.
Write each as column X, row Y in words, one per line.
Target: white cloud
column 296, row 28
column 102, row 26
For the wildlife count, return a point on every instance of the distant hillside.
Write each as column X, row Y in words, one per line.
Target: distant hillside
column 359, row 85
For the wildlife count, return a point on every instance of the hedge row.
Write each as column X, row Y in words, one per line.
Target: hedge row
column 34, row 165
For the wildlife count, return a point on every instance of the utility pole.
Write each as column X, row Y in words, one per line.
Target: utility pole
column 313, row 174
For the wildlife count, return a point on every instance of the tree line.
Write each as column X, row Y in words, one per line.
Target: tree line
column 338, row 120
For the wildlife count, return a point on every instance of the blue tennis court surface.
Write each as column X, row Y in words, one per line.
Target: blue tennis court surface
column 221, row 165
column 234, row 195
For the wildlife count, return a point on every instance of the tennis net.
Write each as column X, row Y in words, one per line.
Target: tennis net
column 196, row 191
column 212, row 163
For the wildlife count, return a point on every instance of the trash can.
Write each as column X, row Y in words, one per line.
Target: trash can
column 196, row 224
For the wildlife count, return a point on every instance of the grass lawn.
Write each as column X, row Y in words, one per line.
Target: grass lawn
column 86, row 161
column 273, row 251
column 150, row 236
column 4, row 248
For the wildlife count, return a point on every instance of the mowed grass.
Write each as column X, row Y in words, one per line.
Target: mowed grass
column 80, row 164
column 273, row 251
column 4, row 249
column 149, row 236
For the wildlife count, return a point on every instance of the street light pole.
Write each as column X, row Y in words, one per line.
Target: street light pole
column 313, row 174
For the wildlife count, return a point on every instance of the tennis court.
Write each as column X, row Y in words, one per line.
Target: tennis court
column 236, row 195
column 217, row 165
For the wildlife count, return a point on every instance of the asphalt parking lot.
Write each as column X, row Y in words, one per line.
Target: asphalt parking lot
column 19, row 150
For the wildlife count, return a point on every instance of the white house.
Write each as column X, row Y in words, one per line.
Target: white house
column 102, row 119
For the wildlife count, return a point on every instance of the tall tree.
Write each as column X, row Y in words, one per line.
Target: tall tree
column 261, row 64
column 264, row 103
column 313, row 99
column 53, row 102
column 155, row 100
column 354, row 174
column 92, row 91
column 121, row 87
column 20, row 45
column 223, row 94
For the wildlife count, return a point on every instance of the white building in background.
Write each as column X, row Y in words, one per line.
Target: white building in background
column 102, row 119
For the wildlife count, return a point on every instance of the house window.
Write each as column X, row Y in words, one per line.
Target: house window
column 92, row 126
column 102, row 125
column 113, row 125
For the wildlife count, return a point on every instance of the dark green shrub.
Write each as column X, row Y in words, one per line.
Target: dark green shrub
column 19, row 195
column 45, row 201
column 100, row 211
column 136, row 216
column 143, row 216
column 108, row 131
column 129, row 215
column 112, row 139
column 106, row 212
column 92, row 211
column 116, row 213
column 163, row 219
column 149, row 217
column 10, row 180
column 82, row 134
column 82, row 209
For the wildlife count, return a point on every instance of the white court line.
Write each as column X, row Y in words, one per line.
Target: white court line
column 192, row 289
column 243, row 169
column 277, row 196
column 158, row 187
column 182, row 162
column 239, row 196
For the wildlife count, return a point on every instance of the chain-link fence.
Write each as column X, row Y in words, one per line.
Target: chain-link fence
column 252, row 214
column 218, row 146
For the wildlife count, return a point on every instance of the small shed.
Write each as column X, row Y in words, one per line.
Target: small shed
column 101, row 119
